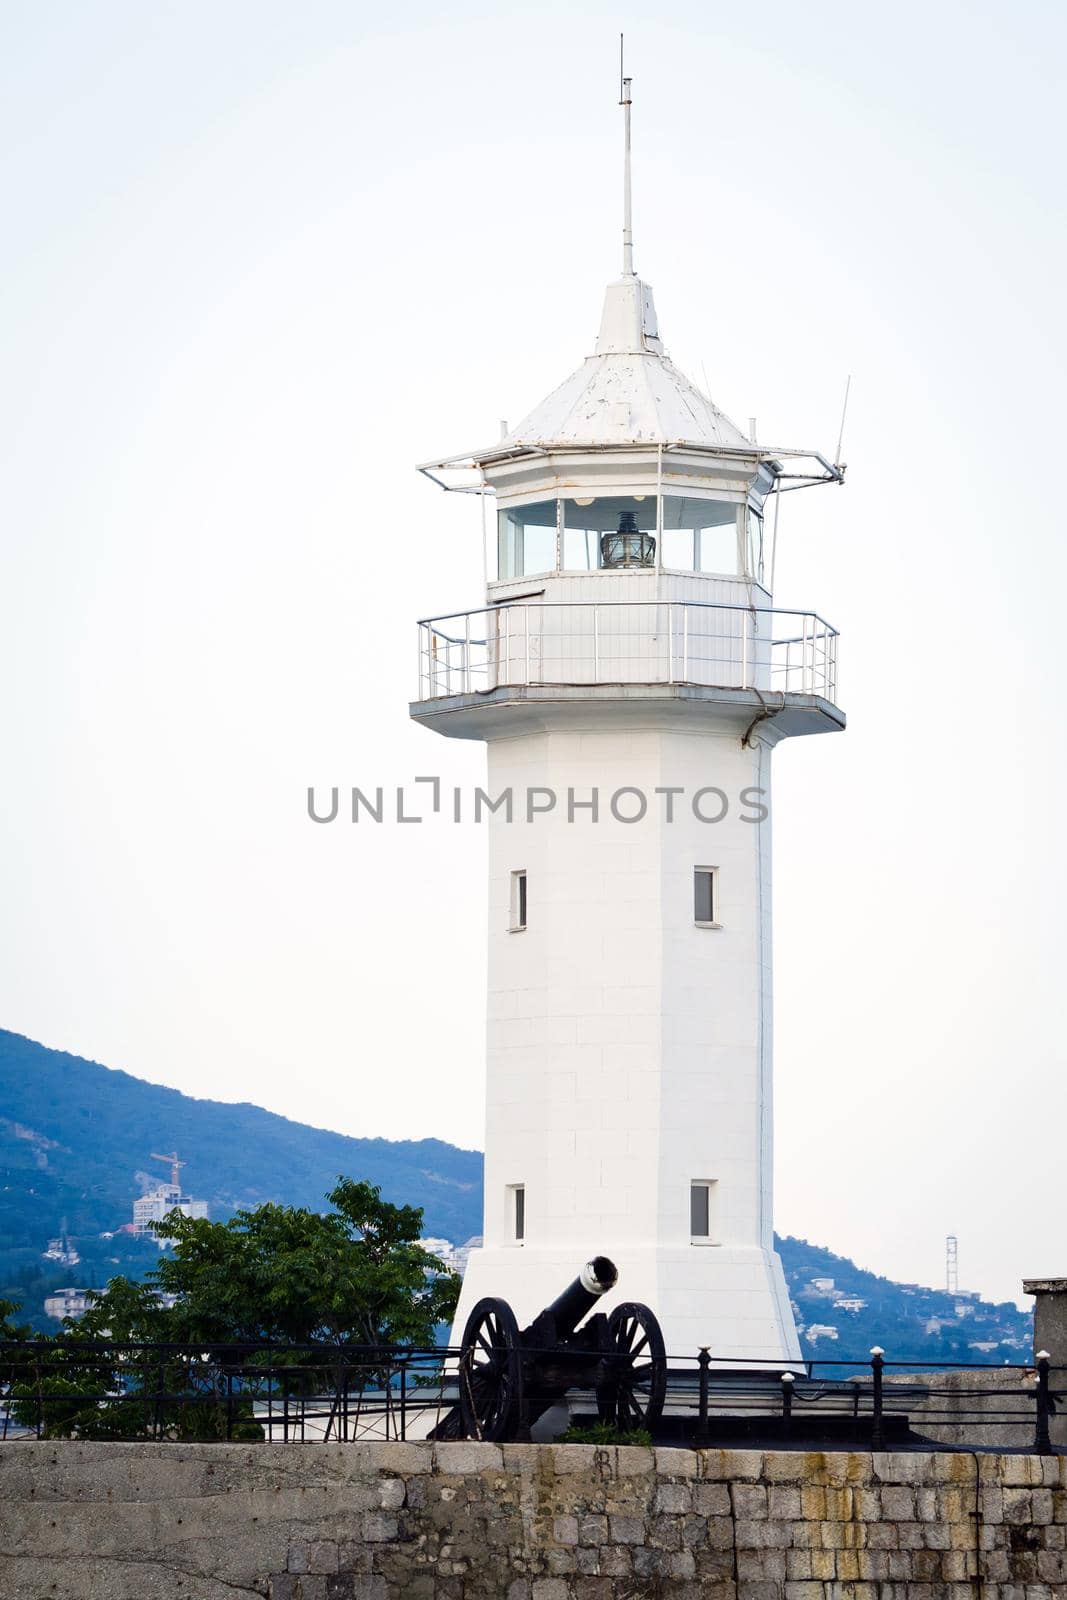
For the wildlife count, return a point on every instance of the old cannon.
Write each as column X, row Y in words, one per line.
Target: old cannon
column 509, row 1377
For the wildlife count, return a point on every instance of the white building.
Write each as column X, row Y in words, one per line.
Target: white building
column 62, row 1252
column 66, row 1303
column 631, row 678
column 158, row 1202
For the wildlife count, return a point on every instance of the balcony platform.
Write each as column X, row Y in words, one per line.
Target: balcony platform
column 518, row 708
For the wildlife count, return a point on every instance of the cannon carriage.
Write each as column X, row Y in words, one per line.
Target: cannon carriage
column 508, row 1377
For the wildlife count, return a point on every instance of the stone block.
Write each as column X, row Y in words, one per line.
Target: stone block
column 732, row 1466
column 711, row 1499
column 587, row 1560
column 677, row 1463
column 322, row 1556
column 804, row 1590
column 718, row 1533
column 1041, row 1506
column 627, row 1530
column 1017, row 1505
column 750, row 1501
column 454, row 1460
column 898, row 1504
column 407, row 1459
column 873, row 1565
column 783, row 1502
column 1051, row 1567
column 813, row 1503
column 995, row 1567
column 649, row 1563
column 632, row 1461
column 381, row 1526
column 615, row 1561
column 592, row 1589
column 568, row 1460
column 550, row 1589
column 763, row 1535
column 902, row 1467
column 593, row 1530
column 847, row 1566
column 665, row 1533
column 392, row 1493
column 926, row 1503
column 713, row 1565
column 681, row 1565
column 797, row 1564
column 673, row 1498
column 565, row 1530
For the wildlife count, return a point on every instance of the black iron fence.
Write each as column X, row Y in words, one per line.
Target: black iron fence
column 80, row 1388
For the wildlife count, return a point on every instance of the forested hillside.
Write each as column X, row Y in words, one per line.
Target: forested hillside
column 74, row 1137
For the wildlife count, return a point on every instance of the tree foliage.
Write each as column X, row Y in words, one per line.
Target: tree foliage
column 303, row 1282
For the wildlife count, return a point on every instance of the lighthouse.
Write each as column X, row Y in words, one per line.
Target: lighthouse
column 631, row 676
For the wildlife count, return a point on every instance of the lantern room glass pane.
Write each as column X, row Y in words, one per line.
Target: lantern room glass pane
column 606, row 531
column 701, row 535
column 526, row 539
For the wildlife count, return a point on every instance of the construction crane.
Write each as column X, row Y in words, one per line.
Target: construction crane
column 175, row 1167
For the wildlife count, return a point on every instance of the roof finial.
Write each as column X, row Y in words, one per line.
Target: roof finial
column 627, row 230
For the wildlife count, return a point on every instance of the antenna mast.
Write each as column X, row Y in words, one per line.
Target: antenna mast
column 952, row 1271
column 627, row 221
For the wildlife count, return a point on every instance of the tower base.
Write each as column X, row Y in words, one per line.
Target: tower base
column 733, row 1299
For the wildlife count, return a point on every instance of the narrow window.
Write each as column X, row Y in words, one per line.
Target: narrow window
column 706, row 897
column 518, row 901
column 518, row 1210
column 702, row 1210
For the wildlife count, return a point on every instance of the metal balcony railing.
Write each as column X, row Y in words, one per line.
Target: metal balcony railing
column 638, row 641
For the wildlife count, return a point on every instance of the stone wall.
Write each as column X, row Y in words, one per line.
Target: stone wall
column 525, row 1522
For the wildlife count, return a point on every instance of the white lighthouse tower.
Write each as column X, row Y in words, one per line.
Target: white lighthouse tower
column 630, row 677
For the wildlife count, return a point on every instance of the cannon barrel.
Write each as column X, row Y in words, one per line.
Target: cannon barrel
column 568, row 1309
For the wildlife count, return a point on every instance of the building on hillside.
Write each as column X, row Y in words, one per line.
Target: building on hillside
column 820, row 1330
column 164, row 1198
column 66, row 1303
column 62, row 1251
column 849, row 1302
column 823, row 1286
column 631, row 678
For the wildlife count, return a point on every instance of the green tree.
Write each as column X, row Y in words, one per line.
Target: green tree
column 295, row 1278
column 356, row 1275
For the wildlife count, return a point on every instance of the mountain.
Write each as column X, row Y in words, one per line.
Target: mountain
column 76, row 1137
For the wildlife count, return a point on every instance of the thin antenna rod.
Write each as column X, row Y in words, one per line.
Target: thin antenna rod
column 844, row 410
column 627, row 219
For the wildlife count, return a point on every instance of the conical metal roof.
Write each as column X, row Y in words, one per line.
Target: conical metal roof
column 629, row 391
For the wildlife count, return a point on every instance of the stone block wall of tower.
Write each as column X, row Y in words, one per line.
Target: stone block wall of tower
column 629, row 1048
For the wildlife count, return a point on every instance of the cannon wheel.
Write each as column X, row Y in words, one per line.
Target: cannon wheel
column 634, row 1394
column 490, row 1372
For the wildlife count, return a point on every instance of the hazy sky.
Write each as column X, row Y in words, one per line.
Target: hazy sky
column 261, row 258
